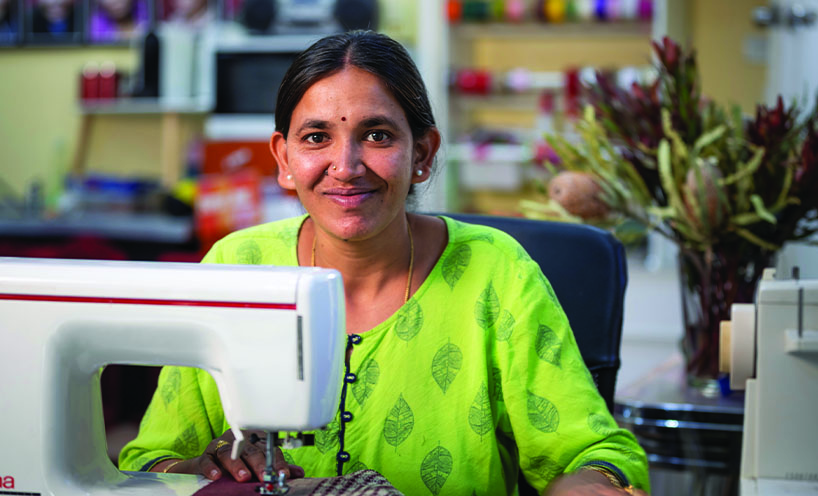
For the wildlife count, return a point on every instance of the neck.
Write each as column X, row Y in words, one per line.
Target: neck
column 371, row 263
column 377, row 272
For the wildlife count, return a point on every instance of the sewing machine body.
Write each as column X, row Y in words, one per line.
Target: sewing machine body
column 778, row 362
column 272, row 338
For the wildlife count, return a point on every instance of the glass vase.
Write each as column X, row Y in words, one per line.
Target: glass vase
column 711, row 282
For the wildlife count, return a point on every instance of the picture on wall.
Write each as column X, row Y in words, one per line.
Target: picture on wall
column 195, row 14
column 53, row 21
column 10, row 14
column 116, row 21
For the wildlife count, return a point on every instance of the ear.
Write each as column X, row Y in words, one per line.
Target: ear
column 278, row 147
column 425, row 149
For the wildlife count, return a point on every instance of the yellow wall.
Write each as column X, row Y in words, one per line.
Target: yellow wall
column 39, row 116
column 718, row 30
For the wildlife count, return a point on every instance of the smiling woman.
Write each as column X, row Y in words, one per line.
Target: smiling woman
column 462, row 371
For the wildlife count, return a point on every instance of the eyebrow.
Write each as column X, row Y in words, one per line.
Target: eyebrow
column 373, row 121
column 313, row 124
column 379, row 120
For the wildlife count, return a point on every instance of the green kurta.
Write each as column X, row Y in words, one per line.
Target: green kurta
column 477, row 375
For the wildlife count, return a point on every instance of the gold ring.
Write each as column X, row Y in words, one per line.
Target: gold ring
column 221, row 444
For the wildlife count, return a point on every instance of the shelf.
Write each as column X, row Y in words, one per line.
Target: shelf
column 511, row 101
column 148, row 106
column 153, row 228
column 508, row 153
column 580, row 30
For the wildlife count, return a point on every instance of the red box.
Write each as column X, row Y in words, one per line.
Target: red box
column 226, row 157
column 225, row 203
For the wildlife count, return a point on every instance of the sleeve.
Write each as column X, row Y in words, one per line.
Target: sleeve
column 183, row 416
column 560, row 423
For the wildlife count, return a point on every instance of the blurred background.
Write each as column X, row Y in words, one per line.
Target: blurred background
column 138, row 129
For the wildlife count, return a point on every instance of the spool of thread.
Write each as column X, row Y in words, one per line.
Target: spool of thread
column 108, row 81
column 89, row 82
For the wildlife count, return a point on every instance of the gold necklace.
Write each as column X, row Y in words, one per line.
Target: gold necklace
column 411, row 259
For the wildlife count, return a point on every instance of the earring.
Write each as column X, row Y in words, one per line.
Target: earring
column 289, row 177
column 334, row 167
column 419, row 172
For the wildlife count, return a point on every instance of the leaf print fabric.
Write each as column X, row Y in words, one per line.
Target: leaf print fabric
column 506, row 326
column 479, row 363
column 487, row 308
column 187, row 442
column 249, row 253
column 326, row 439
column 480, row 418
column 170, row 387
column 549, row 346
column 496, row 390
column 409, row 321
column 399, row 423
column 367, row 380
column 542, row 414
column 445, row 365
column 544, row 466
column 601, row 424
column 455, row 264
column 355, row 467
column 436, row 468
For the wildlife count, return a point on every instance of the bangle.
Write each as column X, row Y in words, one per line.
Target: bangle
column 612, row 478
column 171, row 465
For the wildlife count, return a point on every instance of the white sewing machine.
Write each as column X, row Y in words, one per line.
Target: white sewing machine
column 272, row 338
column 772, row 348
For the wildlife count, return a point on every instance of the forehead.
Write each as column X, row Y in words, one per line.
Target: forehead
column 349, row 93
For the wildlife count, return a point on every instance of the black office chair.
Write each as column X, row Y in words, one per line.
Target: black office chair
column 587, row 268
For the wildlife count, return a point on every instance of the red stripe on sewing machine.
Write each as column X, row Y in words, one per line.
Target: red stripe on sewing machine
column 147, row 301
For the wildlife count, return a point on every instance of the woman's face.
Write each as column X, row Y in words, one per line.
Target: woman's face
column 350, row 154
column 118, row 10
column 55, row 10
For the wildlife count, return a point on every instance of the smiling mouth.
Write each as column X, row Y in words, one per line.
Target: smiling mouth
column 349, row 197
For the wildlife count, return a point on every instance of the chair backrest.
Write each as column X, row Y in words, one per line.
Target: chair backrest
column 588, row 270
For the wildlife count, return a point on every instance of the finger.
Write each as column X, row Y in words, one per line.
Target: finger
column 281, row 464
column 256, row 459
column 209, row 468
column 236, row 468
column 296, row 472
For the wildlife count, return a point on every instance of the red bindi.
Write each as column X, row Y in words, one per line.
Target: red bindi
column 343, row 118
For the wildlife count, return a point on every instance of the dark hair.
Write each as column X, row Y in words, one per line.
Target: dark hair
column 373, row 52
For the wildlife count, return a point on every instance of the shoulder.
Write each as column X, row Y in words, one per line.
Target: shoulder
column 485, row 241
column 269, row 243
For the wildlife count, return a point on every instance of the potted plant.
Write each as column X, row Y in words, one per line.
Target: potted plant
column 726, row 189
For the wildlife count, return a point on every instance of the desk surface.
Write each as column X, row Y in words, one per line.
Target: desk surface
column 666, row 388
column 677, row 425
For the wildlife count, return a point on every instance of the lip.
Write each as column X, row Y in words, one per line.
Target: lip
column 349, row 197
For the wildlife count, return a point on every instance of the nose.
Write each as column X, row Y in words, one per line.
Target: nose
column 348, row 161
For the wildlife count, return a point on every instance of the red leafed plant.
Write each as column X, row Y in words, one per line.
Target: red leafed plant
column 728, row 189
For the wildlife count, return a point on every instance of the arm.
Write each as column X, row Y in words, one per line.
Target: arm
column 559, row 421
column 178, row 433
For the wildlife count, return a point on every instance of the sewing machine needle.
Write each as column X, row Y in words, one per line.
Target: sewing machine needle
column 268, row 471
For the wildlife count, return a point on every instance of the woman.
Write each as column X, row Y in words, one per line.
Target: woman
column 464, row 369
column 117, row 20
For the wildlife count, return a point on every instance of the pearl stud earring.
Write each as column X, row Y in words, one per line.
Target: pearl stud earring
column 419, row 172
column 289, row 177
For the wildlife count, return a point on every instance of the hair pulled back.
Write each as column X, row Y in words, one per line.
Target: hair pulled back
column 373, row 52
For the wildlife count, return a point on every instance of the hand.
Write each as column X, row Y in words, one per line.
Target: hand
column 215, row 460
column 585, row 483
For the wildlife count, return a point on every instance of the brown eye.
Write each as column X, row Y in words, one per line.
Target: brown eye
column 376, row 136
column 316, row 138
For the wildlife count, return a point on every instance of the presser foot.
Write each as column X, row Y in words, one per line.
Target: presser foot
column 271, row 487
